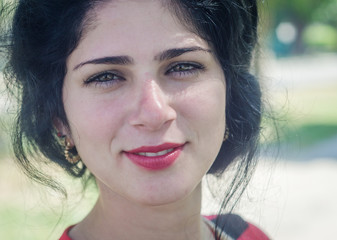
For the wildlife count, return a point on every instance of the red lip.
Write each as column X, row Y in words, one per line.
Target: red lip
column 154, row 149
column 155, row 162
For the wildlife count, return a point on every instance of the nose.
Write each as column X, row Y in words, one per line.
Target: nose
column 153, row 110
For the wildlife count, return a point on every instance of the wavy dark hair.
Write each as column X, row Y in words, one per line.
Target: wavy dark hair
column 43, row 35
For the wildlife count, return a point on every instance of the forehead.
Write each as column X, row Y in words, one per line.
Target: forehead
column 136, row 15
column 134, row 26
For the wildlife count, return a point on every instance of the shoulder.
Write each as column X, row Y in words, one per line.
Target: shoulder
column 236, row 227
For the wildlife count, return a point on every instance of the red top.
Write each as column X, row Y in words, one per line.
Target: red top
column 65, row 234
column 234, row 226
column 252, row 232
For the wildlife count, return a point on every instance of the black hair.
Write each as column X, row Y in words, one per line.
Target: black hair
column 44, row 33
column 39, row 46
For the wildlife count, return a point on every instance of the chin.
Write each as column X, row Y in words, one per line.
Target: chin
column 169, row 197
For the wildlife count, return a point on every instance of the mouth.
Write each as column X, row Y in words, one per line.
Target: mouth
column 154, row 154
column 155, row 157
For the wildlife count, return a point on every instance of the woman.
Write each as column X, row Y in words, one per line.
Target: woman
column 148, row 96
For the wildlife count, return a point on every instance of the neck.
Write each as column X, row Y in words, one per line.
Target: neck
column 115, row 217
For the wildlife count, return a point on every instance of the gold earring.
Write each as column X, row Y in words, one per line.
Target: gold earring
column 226, row 134
column 70, row 153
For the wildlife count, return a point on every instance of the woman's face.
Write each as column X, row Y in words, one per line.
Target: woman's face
column 145, row 102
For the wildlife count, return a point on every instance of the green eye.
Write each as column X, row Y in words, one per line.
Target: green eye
column 104, row 79
column 184, row 69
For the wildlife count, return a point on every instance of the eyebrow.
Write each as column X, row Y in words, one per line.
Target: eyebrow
column 176, row 52
column 126, row 60
column 117, row 60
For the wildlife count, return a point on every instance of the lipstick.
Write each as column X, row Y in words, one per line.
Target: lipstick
column 155, row 157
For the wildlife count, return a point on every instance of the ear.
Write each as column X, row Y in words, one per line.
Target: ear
column 61, row 129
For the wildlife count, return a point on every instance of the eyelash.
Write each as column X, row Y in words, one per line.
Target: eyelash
column 110, row 81
column 183, row 69
column 177, row 70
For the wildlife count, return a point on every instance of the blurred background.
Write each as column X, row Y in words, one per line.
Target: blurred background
column 293, row 194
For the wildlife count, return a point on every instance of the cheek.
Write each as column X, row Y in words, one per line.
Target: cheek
column 92, row 118
column 204, row 114
column 205, row 105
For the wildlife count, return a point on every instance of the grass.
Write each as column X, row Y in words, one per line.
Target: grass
column 39, row 223
column 31, row 212
column 33, row 224
column 307, row 116
column 308, row 134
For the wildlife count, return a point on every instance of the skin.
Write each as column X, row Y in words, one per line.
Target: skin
column 150, row 100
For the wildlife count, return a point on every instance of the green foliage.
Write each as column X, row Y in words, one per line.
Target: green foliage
column 320, row 37
column 326, row 13
column 301, row 14
column 301, row 9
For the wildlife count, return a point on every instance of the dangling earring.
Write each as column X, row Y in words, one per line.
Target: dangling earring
column 226, row 134
column 70, row 153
